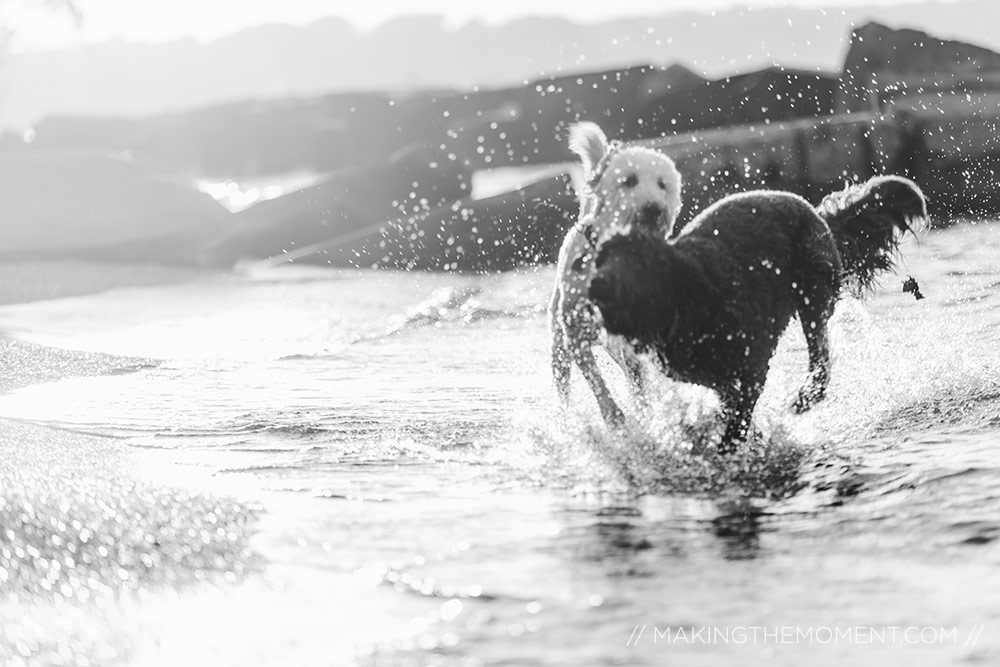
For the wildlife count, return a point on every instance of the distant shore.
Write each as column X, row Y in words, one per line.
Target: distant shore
column 35, row 280
column 24, row 282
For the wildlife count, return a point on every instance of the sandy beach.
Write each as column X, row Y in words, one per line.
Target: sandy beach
column 84, row 525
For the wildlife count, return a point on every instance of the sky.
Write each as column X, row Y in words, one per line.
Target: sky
column 163, row 20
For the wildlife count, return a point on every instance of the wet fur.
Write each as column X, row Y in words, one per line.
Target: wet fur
column 713, row 303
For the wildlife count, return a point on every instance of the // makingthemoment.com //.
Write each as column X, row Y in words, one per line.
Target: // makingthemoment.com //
column 818, row 635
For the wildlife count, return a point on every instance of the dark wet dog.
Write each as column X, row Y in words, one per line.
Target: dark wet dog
column 713, row 303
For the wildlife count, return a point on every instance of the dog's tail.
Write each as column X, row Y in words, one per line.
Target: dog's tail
column 868, row 222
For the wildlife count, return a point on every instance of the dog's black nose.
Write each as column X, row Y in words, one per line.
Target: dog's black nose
column 649, row 214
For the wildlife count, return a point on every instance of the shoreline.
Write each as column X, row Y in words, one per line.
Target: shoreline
column 31, row 281
column 28, row 281
column 86, row 525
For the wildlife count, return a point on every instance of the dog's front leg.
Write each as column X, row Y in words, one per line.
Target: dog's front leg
column 624, row 355
column 637, row 380
column 561, row 361
column 583, row 355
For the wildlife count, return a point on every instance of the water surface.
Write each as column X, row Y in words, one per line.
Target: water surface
column 427, row 502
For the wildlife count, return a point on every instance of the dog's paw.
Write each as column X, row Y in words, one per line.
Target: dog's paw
column 731, row 446
column 808, row 397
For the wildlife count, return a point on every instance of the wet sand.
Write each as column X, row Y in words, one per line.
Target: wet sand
column 82, row 525
column 22, row 282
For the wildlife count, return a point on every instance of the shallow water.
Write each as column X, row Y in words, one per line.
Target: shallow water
column 426, row 501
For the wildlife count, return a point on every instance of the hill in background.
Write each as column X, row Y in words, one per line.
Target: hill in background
column 279, row 62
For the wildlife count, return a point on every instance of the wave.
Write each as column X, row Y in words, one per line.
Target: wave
column 450, row 305
column 969, row 405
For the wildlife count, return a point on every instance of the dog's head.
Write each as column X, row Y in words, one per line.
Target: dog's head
column 626, row 185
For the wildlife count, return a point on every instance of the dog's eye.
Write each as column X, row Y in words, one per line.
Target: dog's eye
column 630, row 181
column 662, row 184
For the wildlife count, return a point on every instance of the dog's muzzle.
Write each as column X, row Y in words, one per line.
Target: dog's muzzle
column 649, row 216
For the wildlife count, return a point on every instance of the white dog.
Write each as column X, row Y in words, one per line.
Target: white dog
column 625, row 185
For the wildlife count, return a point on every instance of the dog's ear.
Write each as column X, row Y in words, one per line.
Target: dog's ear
column 588, row 140
column 676, row 202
